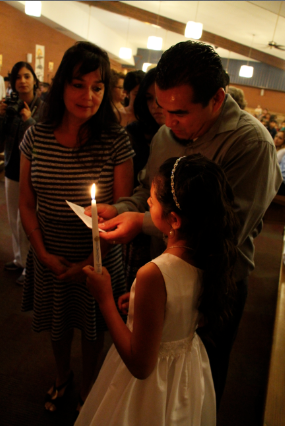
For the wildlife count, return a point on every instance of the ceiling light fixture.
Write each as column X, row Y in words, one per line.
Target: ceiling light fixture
column 194, row 29
column 33, row 8
column 145, row 66
column 126, row 52
column 154, row 42
column 246, row 70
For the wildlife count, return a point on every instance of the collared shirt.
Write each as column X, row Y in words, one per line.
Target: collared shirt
column 242, row 146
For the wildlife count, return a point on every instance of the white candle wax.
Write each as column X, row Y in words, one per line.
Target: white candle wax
column 95, row 233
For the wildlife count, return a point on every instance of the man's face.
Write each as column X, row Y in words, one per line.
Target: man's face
column 186, row 119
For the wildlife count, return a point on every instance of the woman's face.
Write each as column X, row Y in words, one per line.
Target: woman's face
column 154, row 109
column 279, row 139
column 83, row 96
column 118, row 93
column 24, row 82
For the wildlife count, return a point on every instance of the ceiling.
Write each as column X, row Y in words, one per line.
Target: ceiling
column 230, row 24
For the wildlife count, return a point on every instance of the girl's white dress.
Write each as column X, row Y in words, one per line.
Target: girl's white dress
column 180, row 389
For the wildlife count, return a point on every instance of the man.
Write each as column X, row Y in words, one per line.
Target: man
column 201, row 118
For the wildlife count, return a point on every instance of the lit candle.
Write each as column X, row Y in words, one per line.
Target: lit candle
column 95, row 233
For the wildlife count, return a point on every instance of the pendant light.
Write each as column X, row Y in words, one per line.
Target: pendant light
column 154, row 42
column 246, row 70
column 126, row 52
column 194, row 29
column 33, row 8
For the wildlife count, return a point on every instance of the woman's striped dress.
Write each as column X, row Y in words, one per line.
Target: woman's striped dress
column 58, row 174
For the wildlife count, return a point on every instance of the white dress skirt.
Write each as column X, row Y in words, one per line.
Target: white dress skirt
column 180, row 389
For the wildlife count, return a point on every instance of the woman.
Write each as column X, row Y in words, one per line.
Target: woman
column 16, row 116
column 118, row 94
column 149, row 119
column 80, row 143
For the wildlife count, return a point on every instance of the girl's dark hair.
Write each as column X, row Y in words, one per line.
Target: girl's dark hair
column 78, row 60
column 140, row 104
column 15, row 71
column 209, row 225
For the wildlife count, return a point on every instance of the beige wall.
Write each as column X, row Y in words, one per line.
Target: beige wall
column 19, row 35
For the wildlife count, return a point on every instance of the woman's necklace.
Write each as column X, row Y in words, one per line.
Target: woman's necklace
column 189, row 248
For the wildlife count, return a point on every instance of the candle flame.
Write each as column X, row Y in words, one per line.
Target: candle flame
column 93, row 191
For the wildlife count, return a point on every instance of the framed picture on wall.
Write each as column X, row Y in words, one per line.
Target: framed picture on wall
column 40, row 62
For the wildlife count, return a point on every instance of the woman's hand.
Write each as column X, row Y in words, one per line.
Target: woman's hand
column 123, row 303
column 99, row 285
column 3, row 108
column 74, row 272
column 25, row 112
column 57, row 264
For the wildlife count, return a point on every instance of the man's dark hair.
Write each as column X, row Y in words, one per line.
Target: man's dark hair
column 193, row 63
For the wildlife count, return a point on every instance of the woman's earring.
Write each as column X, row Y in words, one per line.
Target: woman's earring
column 171, row 233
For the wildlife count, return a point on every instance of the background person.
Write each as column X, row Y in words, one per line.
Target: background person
column 200, row 118
column 118, row 95
column 149, row 119
column 80, row 143
column 131, row 86
column 15, row 118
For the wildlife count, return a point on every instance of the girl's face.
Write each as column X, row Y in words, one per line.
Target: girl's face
column 154, row 109
column 118, row 93
column 279, row 139
column 24, row 82
column 83, row 96
column 156, row 212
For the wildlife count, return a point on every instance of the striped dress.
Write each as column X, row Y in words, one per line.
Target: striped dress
column 59, row 173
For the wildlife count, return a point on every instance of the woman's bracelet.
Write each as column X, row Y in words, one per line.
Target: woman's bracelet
column 29, row 236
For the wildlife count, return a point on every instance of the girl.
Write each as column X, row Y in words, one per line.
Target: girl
column 158, row 372
column 79, row 144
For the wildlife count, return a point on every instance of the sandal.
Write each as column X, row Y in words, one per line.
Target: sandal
column 53, row 398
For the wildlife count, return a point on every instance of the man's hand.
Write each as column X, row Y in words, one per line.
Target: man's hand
column 123, row 228
column 105, row 212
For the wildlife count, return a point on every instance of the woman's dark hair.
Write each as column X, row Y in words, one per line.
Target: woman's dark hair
column 15, row 71
column 209, row 225
column 78, row 60
column 140, row 105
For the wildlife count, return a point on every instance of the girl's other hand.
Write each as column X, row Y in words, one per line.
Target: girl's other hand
column 99, row 285
column 123, row 303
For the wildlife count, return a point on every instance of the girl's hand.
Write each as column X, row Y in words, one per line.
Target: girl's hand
column 123, row 303
column 25, row 112
column 99, row 285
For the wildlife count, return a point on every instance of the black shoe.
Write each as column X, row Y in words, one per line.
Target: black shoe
column 11, row 266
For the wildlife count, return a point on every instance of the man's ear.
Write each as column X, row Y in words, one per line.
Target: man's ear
column 175, row 220
column 218, row 99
